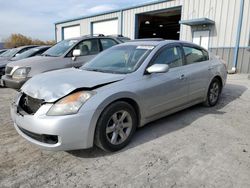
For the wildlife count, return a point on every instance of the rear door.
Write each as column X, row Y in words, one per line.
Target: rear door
column 165, row 91
column 89, row 49
column 197, row 70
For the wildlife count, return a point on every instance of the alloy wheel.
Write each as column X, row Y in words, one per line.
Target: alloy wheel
column 119, row 127
column 214, row 92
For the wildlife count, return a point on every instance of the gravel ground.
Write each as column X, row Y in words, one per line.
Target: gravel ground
column 198, row 147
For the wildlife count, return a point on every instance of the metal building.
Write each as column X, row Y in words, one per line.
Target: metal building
column 222, row 26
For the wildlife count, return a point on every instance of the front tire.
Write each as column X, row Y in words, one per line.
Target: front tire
column 115, row 126
column 213, row 93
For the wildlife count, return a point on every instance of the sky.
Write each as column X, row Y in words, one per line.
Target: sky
column 36, row 18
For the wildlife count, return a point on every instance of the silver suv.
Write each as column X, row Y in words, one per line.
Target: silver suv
column 11, row 53
column 65, row 54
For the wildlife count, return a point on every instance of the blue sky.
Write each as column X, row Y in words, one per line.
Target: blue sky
column 36, row 18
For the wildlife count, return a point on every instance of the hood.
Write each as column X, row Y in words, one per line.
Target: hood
column 5, row 58
column 54, row 85
column 3, row 62
column 33, row 61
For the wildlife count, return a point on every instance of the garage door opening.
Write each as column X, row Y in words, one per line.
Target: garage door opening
column 161, row 24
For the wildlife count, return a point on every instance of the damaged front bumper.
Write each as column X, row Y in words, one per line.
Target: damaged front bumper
column 54, row 132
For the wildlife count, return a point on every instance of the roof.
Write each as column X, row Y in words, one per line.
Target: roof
column 152, row 42
column 98, row 36
column 112, row 11
column 21, row 47
column 198, row 21
column 160, row 42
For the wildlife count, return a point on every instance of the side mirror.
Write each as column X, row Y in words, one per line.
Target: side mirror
column 158, row 68
column 76, row 53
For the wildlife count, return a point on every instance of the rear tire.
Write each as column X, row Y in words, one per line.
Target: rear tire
column 213, row 93
column 115, row 126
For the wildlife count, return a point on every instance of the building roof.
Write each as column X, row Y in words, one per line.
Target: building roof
column 112, row 11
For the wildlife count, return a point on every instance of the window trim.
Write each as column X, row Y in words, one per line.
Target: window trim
column 100, row 43
column 71, row 50
column 160, row 50
column 197, row 48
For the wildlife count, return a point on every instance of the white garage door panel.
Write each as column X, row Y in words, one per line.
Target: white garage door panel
column 106, row 27
column 71, row 32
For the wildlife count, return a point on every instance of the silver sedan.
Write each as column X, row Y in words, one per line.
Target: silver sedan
column 123, row 88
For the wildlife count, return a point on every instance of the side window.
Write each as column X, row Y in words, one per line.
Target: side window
column 194, row 55
column 24, row 50
column 40, row 52
column 171, row 56
column 87, row 47
column 107, row 43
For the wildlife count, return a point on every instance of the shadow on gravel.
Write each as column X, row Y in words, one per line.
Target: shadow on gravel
column 170, row 123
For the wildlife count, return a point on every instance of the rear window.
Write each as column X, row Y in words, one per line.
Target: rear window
column 107, row 43
column 195, row 55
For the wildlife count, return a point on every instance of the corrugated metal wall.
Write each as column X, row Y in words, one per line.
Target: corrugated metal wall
column 227, row 54
column 85, row 24
column 225, row 13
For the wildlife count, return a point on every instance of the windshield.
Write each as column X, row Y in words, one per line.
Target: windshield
column 119, row 59
column 60, row 48
column 25, row 54
column 10, row 53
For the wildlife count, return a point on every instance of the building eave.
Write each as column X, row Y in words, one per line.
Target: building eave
column 112, row 11
column 197, row 21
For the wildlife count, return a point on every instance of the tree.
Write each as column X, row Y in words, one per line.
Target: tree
column 16, row 40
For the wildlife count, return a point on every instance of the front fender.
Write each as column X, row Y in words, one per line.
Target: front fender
column 106, row 102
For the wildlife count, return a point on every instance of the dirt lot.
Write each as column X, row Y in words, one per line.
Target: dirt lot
column 198, row 147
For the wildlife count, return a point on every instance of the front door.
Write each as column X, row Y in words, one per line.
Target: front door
column 89, row 49
column 165, row 91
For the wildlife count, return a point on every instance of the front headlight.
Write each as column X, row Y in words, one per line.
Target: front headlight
column 21, row 73
column 70, row 104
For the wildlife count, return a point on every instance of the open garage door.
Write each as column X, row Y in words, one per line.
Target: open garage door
column 161, row 24
column 71, row 32
column 109, row 27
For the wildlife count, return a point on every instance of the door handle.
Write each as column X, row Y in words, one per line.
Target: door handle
column 182, row 77
column 210, row 68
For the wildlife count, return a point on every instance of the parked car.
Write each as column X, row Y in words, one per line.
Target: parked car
column 36, row 51
column 65, row 54
column 2, row 51
column 123, row 88
column 9, row 54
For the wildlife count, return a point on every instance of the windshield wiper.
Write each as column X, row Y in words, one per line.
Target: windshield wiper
column 95, row 70
column 48, row 55
column 103, row 71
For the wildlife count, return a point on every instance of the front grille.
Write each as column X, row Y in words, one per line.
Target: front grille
column 30, row 105
column 8, row 70
column 48, row 139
